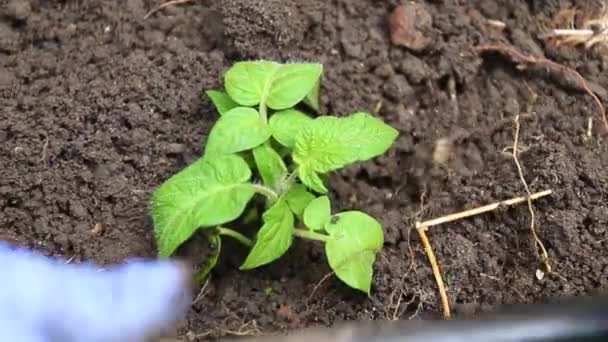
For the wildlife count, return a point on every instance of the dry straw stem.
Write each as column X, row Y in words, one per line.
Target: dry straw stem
column 168, row 3
column 422, row 227
column 593, row 32
column 445, row 303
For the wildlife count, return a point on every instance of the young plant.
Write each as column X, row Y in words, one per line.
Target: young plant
column 262, row 145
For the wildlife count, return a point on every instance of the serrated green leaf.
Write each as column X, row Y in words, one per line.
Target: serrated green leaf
column 286, row 124
column 209, row 192
column 274, row 238
column 313, row 98
column 356, row 238
column 375, row 136
column 222, row 102
column 317, row 213
column 298, row 198
column 329, row 143
column 270, row 165
column 291, row 83
column 247, row 83
column 237, row 130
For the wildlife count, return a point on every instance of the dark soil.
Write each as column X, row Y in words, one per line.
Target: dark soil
column 98, row 106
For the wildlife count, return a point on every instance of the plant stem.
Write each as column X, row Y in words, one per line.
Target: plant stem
column 235, row 235
column 263, row 113
column 307, row 234
column 292, row 178
column 264, row 190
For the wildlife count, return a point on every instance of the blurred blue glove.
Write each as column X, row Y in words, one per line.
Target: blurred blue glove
column 46, row 300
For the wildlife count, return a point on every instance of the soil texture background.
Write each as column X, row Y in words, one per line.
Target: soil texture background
column 98, row 106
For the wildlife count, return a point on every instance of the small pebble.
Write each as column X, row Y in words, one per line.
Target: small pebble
column 176, row 148
column 384, row 70
column 409, row 26
column 414, row 69
column 98, row 229
column 18, row 10
column 442, row 151
column 540, row 274
column 397, row 88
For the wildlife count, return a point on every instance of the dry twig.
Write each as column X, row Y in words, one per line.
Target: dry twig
column 422, row 227
column 445, row 303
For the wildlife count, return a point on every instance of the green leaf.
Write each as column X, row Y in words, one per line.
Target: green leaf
column 356, row 238
column 270, row 165
column 375, row 138
column 317, row 213
column 248, row 83
column 298, row 198
column 286, row 124
column 207, row 193
column 312, row 99
column 329, row 143
column 311, row 179
column 274, row 238
column 222, row 102
column 291, row 83
column 237, row 130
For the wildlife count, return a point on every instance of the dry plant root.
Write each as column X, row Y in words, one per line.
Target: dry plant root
column 160, row 7
column 568, row 74
column 422, row 227
column 539, row 243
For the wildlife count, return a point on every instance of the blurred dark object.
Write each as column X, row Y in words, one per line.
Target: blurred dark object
column 582, row 319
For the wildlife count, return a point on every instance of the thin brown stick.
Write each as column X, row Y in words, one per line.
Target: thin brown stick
column 481, row 210
column 550, row 66
column 421, row 227
column 168, row 3
column 445, row 303
column 539, row 243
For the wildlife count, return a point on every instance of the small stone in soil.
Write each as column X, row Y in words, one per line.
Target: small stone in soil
column 442, row 151
column 397, row 88
column 384, row 70
column 414, row 69
column 409, row 25
column 176, row 148
column 18, row 10
column 98, row 229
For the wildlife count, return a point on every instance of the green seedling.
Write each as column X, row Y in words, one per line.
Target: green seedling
column 261, row 144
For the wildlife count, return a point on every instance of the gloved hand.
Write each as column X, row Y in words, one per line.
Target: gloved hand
column 47, row 300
